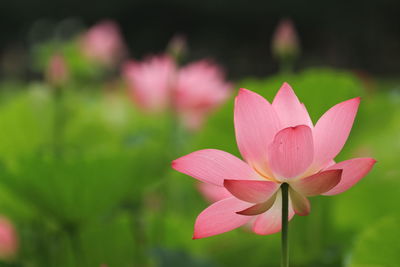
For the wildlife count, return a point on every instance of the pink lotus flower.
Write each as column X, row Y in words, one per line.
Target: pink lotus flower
column 57, row 70
column 150, row 82
column 279, row 144
column 200, row 87
column 8, row 239
column 192, row 91
column 103, row 43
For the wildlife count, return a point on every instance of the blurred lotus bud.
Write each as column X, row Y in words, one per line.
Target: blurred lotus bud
column 285, row 43
column 8, row 239
column 177, row 47
column 57, row 70
column 150, row 82
column 200, row 88
column 103, row 43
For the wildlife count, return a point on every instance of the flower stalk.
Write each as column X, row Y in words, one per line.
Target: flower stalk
column 59, row 120
column 285, row 225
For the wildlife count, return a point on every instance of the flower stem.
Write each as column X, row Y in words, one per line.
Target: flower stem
column 59, row 120
column 285, row 225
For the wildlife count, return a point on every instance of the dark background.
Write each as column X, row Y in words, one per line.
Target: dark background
column 362, row 35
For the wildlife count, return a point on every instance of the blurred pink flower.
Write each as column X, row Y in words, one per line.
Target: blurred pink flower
column 150, row 82
column 192, row 91
column 280, row 144
column 57, row 71
column 8, row 239
column 103, row 43
column 200, row 87
column 285, row 41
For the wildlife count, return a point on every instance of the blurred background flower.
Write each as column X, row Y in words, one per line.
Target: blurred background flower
column 57, row 70
column 103, row 43
column 200, row 88
column 8, row 239
column 150, row 82
column 192, row 91
column 285, row 45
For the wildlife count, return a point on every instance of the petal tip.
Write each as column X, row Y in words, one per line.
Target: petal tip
column 286, row 86
column 197, row 233
column 371, row 162
column 243, row 91
column 286, row 91
column 356, row 100
column 174, row 164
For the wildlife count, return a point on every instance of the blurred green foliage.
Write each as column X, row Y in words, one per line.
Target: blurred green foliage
column 68, row 173
column 378, row 244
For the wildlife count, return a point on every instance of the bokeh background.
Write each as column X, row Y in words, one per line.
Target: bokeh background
column 85, row 177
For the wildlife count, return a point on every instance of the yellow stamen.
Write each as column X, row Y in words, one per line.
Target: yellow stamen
column 266, row 177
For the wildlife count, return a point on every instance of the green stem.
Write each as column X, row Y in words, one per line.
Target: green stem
column 139, row 235
column 286, row 67
column 73, row 233
column 59, row 120
column 285, row 225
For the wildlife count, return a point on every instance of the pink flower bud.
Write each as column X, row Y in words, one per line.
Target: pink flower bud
column 285, row 42
column 57, row 70
column 103, row 43
column 8, row 239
